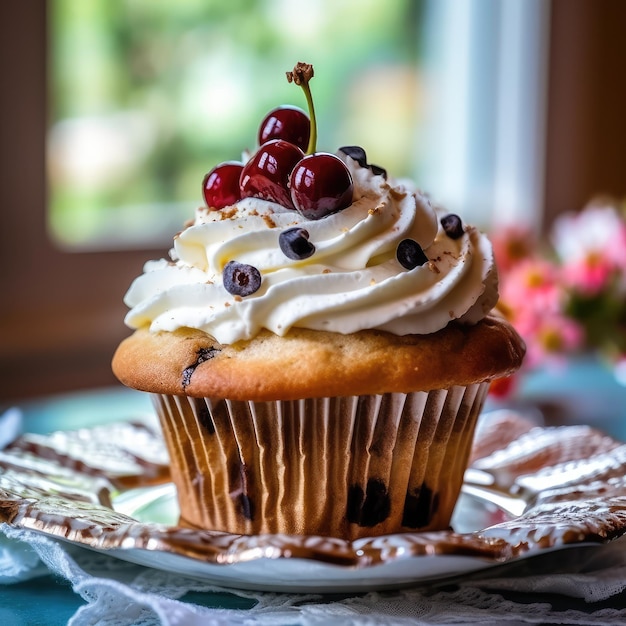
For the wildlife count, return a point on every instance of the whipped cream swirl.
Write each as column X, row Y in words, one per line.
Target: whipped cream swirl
column 352, row 282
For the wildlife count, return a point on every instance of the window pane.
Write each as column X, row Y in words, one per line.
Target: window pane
column 146, row 96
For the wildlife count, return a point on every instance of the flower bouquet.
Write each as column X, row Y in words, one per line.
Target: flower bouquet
column 567, row 294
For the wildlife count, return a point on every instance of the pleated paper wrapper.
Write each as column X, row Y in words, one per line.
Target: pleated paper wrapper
column 346, row 467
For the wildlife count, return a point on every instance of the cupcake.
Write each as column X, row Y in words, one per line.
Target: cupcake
column 318, row 346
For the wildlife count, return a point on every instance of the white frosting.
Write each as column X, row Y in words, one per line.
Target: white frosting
column 353, row 281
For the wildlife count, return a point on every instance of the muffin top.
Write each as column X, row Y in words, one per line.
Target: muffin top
column 307, row 363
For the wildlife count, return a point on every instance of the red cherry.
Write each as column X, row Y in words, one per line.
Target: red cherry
column 220, row 186
column 320, row 184
column 288, row 123
column 266, row 174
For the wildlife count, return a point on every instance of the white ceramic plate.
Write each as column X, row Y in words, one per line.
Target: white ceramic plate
column 529, row 491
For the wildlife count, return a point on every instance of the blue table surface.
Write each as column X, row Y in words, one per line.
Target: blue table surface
column 582, row 391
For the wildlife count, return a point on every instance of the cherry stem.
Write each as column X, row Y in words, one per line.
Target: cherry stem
column 301, row 75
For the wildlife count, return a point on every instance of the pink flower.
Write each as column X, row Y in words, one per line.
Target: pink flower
column 618, row 252
column 573, row 295
column 589, row 275
column 559, row 335
column 591, row 246
column 533, row 298
column 533, row 285
column 512, row 245
column 549, row 337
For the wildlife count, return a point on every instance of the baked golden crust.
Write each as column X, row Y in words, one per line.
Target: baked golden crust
column 313, row 364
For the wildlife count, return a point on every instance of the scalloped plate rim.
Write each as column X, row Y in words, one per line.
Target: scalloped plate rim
column 276, row 572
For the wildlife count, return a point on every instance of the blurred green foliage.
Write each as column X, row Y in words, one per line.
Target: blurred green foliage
column 148, row 95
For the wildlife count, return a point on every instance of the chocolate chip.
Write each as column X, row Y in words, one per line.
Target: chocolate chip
column 246, row 506
column 419, row 507
column 369, row 508
column 202, row 355
column 239, row 484
column 452, row 225
column 295, row 244
column 204, row 415
column 356, row 495
column 241, row 279
column 379, row 171
column 357, row 153
column 410, row 254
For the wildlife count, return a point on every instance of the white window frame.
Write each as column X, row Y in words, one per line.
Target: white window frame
column 485, row 149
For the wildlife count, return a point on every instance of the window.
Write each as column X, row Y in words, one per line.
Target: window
column 488, row 84
column 147, row 96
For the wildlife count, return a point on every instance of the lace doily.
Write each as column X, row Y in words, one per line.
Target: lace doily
column 117, row 592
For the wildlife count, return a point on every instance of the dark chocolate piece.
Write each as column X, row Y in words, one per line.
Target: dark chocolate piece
column 410, row 254
column 204, row 415
column 239, row 487
column 295, row 244
column 358, row 154
column 369, row 508
column 452, row 225
column 202, row 355
column 419, row 507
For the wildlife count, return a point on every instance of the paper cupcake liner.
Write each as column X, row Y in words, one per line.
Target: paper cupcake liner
column 346, row 467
